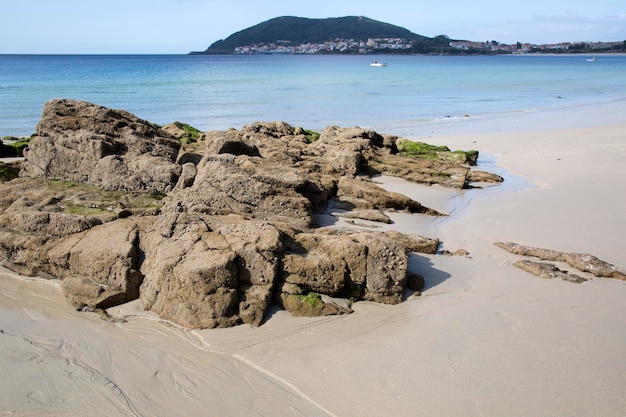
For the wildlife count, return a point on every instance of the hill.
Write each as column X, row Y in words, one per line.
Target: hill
column 293, row 31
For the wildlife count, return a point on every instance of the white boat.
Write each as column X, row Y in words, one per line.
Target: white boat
column 592, row 59
column 378, row 64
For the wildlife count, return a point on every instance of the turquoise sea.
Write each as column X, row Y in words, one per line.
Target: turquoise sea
column 219, row 92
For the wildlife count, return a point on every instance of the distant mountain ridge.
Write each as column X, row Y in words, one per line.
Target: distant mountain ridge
column 299, row 30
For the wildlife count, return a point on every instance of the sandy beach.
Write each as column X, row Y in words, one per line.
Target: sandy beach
column 483, row 339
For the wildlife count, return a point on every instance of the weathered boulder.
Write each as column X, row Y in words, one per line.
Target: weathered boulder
column 209, row 271
column 387, row 264
column 423, row 171
column 275, row 141
column 258, row 246
column 541, row 253
column 113, row 149
column 104, row 258
column 190, row 272
column 341, row 150
column 93, row 249
column 363, row 265
column 49, row 224
column 33, row 207
column 184, row 133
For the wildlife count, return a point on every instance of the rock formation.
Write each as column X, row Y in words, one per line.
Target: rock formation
column 582, row 262
column 209, row 234
column 547, row 271
column 109, row 148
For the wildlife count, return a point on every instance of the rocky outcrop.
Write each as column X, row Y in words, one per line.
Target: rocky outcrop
column 112, row 149
column 212, row 233
column 582, row 262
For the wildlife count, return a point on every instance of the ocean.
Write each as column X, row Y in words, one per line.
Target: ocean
column 410, row 94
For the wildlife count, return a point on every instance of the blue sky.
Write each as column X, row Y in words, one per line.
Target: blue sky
column 180, row 26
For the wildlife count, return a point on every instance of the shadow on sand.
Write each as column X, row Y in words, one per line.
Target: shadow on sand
column 423, row 266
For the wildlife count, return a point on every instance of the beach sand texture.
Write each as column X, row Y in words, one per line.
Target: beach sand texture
column 483, row 339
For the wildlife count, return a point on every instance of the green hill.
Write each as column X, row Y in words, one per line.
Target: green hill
column 294, row 31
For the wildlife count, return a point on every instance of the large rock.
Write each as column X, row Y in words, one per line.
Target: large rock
column 112, row 149
column 258, row 247
column 99, row 267
column 363, row 265
column 190, row 272
column 205, row 272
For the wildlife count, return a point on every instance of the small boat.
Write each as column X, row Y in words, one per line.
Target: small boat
column 378, row 64
column 592, row 59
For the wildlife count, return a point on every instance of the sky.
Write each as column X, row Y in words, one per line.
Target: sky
column 181, row 26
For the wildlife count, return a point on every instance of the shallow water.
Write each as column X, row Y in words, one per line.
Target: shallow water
column 412, row 95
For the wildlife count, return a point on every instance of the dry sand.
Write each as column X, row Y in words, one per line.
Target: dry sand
column 484, row 338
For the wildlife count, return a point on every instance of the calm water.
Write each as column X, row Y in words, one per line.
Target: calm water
column 218, row 92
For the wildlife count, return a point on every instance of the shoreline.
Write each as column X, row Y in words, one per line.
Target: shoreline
column 483, row 339
column 595, row 113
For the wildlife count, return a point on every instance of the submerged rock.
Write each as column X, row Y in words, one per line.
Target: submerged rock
column 212, row 233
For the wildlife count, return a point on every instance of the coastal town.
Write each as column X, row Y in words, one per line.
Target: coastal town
column 524, row 48
column 400, row 45
column 332, row 46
